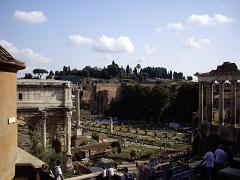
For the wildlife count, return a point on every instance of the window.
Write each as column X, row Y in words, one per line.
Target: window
column 20, row 96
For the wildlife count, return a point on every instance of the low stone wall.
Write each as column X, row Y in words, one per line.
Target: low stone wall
column 227, row 133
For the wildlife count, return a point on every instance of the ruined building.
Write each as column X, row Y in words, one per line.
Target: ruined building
column 44, row 110
column 227, row 125
column 102, row 95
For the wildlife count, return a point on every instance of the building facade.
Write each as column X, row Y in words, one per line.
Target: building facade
column 8, row 117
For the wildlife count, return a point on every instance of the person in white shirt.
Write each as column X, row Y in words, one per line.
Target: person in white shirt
column 58, row 171
column 110, row 173
column 220, row 157
column 104, row 173
column 209, row 158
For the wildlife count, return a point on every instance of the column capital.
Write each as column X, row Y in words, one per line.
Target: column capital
column 67, row 85
column 44, row 114
column 68, row 113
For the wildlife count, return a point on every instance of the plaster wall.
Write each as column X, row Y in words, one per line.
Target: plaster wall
column 8, row 132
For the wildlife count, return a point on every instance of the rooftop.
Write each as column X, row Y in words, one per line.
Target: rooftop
column 8, row 63
column 42, row 82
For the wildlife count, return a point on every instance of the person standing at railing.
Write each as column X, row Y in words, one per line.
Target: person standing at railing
column 209, row 158
column 220, row 157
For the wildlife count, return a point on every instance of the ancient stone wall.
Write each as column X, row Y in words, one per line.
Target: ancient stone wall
column 102, row 95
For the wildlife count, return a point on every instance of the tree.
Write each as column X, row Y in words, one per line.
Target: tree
column 51, row 73
column 113, row 70
column 189, row 78
column 57, row 73
column 28, row 76
column 128, row 70
column 65, row 70
column 135, row 71
column 138, row 68
column 140, row 102
column 40, row 72
column 183, row 105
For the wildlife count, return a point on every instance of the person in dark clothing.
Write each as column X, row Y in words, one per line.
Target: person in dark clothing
column 45, row 173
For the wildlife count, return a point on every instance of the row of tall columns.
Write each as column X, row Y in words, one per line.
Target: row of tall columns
column 209, row 102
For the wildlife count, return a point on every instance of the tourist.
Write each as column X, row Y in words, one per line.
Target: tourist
column 58, row 171
column 220, row 157
column 110, row 173
column 45, row 173
column 104, row 173
column 126, row 175
column 209, row 158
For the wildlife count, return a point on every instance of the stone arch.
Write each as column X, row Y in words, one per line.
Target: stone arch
column 57, row 145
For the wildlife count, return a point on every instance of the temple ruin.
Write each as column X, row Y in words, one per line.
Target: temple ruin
column 226, row 126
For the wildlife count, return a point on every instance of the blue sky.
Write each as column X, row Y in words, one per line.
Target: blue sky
column 188, row 35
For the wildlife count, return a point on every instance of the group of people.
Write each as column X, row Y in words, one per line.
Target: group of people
column 109, row 174
column 214, row 161
column 46, row 173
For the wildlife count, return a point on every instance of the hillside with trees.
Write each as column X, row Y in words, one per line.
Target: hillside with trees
column 113, row 70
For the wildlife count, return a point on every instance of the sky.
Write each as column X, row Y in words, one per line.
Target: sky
column 187, row 36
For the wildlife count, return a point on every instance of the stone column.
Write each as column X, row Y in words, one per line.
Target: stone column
column 44, row 129
column 68, row 163
column 210, row 102
column 233, row 102
column 78, row 130
column 111, row 125
column 221, row 102
column 68, row 131
column 200, row 106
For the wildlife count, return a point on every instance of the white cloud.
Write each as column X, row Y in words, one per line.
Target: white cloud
column 34, row 17
column 24, row 54
column 149, row 49
column 176, row 26
column 206, row 20
column 158, row 29
column 77, row 39
column 109, row 44
column 196, row 43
